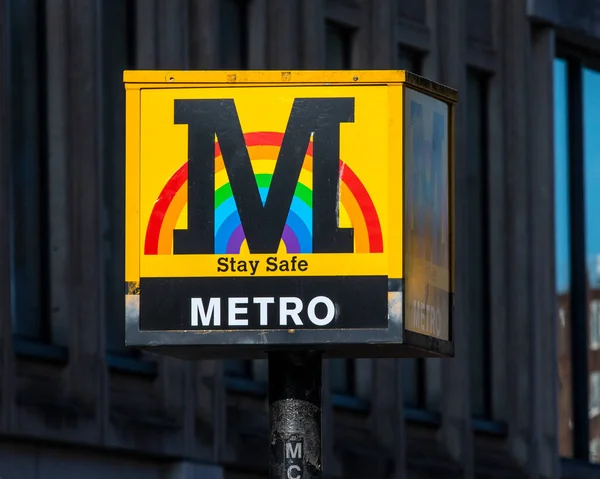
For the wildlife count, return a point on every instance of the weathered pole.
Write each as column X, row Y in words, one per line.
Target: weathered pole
column 295, row 415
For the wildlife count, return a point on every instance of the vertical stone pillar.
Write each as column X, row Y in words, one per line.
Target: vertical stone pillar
column 86, row 370
column 313, row 34
column 516, row 48
column 544, row 459
column 283, row 45
column 383, row 41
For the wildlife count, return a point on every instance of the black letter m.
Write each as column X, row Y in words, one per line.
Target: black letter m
column 263, row 224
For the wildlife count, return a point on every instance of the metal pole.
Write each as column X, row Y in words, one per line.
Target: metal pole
column 295, row 415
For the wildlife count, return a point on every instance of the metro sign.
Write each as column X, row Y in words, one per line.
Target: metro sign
column 271, row 211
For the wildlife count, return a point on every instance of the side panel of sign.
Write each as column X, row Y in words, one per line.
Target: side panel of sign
column 427, row 253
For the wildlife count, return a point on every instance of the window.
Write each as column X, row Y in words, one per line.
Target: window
column 562, row 256
column 478, row 316
column 591, row 168
column 29, row 214
column 577, row 175
column 338, row 42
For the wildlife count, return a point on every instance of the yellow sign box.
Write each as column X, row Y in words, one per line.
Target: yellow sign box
column 291, row 202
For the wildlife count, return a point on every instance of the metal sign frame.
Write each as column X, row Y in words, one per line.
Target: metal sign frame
column 393, row 341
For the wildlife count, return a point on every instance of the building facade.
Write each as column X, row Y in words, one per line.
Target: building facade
column 522, row 396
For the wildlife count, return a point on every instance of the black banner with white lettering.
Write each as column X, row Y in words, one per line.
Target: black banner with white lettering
column 347, row 302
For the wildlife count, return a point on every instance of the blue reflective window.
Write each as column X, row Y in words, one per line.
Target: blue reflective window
column 591, row 121
column 561, row 177
column 591, row 161
column 562, row 255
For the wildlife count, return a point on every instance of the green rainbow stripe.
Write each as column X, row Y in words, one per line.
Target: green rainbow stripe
column 263, row 180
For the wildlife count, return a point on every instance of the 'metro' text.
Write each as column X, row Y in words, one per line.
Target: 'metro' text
column 290, row 311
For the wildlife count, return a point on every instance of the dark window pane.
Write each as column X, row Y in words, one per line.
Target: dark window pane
column 591, row 109
column 338, row 47
column 476, row 100
column 28, row 163
column 563, row 263
column 233, row 33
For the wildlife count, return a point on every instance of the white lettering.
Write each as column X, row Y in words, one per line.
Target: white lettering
column 426, row 318
column 234, row 310
column 264, row 309
column 292, row 469
column 320, row 311
column 214, row 311
column 295, row 452
column 330, row 311
column 284, row 312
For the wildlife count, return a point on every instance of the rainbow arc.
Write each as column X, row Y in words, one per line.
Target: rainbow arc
column 263, row 149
